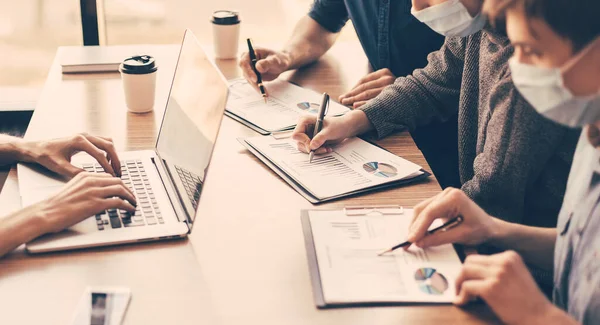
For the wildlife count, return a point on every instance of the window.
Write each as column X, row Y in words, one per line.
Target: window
column 30, row 32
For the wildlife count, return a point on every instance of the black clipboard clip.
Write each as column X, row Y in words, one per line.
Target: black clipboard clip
column 378, row 210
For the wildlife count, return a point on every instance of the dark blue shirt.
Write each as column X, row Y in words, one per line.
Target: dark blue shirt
column 390, row 36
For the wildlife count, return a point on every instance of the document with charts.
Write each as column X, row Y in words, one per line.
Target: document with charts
column 353, row 167
column 346, row 270
column 285, row 105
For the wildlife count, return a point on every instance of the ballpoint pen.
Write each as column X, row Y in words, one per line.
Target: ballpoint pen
column 319, row 125
column 445, row 227
column 253, row 61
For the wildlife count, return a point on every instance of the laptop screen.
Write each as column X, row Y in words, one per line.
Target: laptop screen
column 191, row 121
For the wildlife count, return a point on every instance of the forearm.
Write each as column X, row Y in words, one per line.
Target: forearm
column 534, row 244
column 13, row 150
column 21, row 227
column 358, row 123
column 308, row 43
column 554, row 316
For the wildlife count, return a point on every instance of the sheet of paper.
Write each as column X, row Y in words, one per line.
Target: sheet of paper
column 351, row 271
column 353, row 165
column 285, row 105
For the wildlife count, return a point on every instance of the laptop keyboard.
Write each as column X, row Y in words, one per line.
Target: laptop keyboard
column 192, row 184
column 147, row 211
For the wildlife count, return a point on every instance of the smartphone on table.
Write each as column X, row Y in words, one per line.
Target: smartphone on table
column 102, row 306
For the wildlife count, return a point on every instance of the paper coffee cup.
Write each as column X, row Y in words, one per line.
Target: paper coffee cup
column 226, row 33
column 139, row 82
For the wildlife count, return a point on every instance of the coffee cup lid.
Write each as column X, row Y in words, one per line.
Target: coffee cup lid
column 225, row 17
column 139, row 64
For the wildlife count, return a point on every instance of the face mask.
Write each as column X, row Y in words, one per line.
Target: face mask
column 544, row 89
column 450, row 18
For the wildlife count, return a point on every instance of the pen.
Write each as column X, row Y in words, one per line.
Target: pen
column 319, row 125
column 253, row 61
column 445, row 227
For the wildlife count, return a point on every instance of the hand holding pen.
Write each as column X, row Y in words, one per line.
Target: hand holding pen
column 270, row 64
column 253, row 60
column 466, row 223
column 445, row 227
column 319, row 125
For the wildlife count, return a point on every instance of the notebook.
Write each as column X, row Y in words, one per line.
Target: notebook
column 345, row 270
column 354, row 166
column 90, row 59
column 285, row 105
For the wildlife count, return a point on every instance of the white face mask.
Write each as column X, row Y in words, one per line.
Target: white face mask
column 544, row 89
column 450, row 18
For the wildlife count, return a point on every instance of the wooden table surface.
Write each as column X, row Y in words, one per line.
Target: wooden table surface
column 245, row 261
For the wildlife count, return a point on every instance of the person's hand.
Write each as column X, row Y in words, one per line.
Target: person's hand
column 56, row 154
column 505, row 284
column 368, row 87
column 335, row 130
column 85, row 195
column 477, row 226
column 269, row 63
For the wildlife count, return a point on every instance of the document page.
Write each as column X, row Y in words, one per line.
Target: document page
column 285, row 105
column 353, row 165
column 351, row 272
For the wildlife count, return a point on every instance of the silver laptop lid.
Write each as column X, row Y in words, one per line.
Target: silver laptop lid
column 191, row 122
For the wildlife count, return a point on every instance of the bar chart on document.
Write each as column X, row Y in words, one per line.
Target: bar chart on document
column 353, row 165
column 285, row 105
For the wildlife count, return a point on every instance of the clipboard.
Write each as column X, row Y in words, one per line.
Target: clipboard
column 311, row 252
column 306, row 194
column 248, row 124
column 313, row 262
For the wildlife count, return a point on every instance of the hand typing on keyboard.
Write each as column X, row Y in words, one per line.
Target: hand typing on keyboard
column 85, row 195
column 56, row 154
column 147, row 212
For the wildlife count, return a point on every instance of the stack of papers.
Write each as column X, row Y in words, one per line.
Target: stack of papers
column 285, row 105
column 354, row 166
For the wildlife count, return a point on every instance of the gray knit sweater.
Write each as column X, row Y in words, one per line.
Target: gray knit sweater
column 512, row 161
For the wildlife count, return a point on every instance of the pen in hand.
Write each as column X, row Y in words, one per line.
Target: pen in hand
column 445, row 227
column 319, row 124
column 253, row 61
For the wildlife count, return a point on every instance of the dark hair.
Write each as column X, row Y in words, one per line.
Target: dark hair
column 576, row 20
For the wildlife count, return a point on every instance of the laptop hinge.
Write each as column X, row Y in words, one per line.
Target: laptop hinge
column 174, row 196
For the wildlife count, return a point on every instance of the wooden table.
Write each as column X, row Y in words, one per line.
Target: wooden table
column 245, row 261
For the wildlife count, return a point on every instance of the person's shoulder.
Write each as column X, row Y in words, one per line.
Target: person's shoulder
column 491, row 40
column 472, row 43
column 495, row 36
column 330, row 14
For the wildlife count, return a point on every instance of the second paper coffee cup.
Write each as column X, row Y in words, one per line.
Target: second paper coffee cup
column 226, row 33
column 139, row 82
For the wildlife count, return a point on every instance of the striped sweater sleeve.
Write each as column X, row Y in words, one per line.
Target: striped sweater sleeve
column 429, row 93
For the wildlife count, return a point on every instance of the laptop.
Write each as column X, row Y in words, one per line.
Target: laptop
column 167, row 181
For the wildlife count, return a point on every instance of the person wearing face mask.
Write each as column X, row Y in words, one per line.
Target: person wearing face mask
column 451, row 18
column 556, row 67
column 512, row 161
